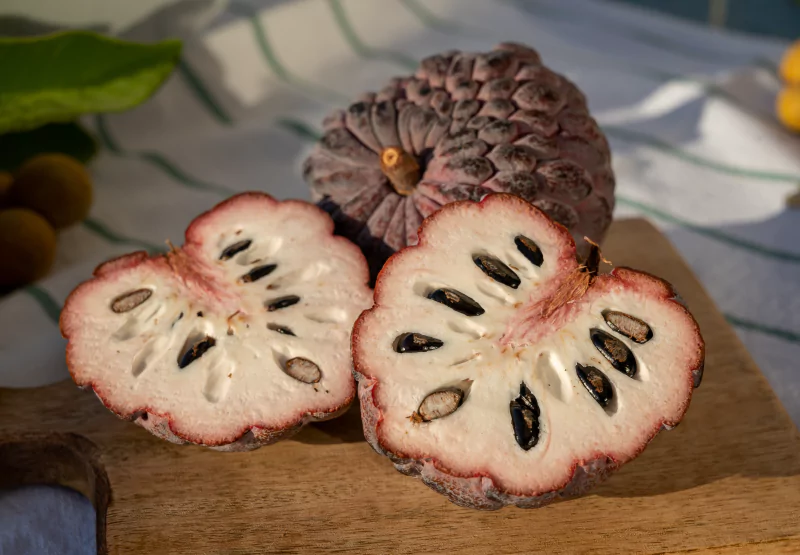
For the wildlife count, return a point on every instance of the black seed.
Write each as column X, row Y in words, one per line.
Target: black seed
column 525, row 418
column 415, row 343
column 457, row 301
column 257, row 273
column 280, row 329
column 283, row 302
column 627, row 325
column 596, row 384
column 529, row 250
column 615, row 351
column 200, row 314
column 303, row 370
column 497, row 270
column 440, row 403
column 196, row 350
column 130, row 300
column 235, row 249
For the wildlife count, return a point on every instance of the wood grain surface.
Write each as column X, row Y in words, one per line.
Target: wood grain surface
column 727, row 480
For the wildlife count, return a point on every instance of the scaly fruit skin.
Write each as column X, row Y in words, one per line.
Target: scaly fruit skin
column 27, row 247
column 531, row 333
column 474, row 123
column 788, row 107
column 203, row 355
column 56, row 186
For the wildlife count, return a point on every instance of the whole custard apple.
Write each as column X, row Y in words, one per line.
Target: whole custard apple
column 500, row 371
column 466, row 124
column 234, row 340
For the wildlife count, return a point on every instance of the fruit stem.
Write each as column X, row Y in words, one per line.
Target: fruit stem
column 401, row 168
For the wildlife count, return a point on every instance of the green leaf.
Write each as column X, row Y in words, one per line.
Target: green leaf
column 67, row 138
column 58, row 77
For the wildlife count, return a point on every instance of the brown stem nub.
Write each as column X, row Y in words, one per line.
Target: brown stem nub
column 401, row 168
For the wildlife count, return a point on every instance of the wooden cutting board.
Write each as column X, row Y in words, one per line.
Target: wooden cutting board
column 727, row 480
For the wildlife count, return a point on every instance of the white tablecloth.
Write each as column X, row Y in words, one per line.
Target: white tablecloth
column 688, row 112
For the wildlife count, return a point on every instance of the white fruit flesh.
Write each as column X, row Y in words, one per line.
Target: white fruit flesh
column 131, row 359
column 490, row 355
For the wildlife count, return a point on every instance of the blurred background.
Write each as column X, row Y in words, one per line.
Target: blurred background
column 685, row 91
column 779, row 18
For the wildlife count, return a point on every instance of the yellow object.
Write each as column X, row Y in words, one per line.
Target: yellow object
column 790, row 64
column 56, row 186
column 401, row 168
column 788, row 107
column 27, row 247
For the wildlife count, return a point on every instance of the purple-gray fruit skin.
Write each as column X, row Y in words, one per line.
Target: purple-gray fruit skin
column 476, row 123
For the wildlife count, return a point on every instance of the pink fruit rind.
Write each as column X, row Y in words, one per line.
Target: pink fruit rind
column 481, row 490
column 162, row 424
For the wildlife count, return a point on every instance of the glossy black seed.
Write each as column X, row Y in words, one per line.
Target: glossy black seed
column 283, row 302
column 458, row 301
column 596, row 384
column 258, row 272
column 615, row 351
column 415, row 343
column 525, row 418
column 497, row 270
column 529, row 250
column 281, row 329
column 627, row 325
column 196, row 350
column 234, row 249
column 130, row 300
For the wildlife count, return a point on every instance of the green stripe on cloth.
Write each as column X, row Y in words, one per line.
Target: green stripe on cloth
column 778, row 333
column 305, row 132
column 105, row 136
column 635, row 136
column 641, row 34
column 282, row 72
column 111, row 236
column 300, row 128
column 46, row 301
column 180, row 176
column 711, row 233
column 157, row 160
column 429, row 19
column 362, row 49
column 656, row 74
column 202, row 93
column 629, row 135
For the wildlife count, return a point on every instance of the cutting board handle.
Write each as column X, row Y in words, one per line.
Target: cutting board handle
column 69, row 460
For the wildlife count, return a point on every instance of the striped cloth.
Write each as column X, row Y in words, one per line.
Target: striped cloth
column 688, row 112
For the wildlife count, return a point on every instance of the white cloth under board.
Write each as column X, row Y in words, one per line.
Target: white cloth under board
column 688, row 111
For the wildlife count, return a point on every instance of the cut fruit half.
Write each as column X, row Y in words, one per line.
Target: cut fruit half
column 235, row 340
column 501, row 372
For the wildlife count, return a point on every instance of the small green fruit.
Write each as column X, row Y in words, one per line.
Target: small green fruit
column 56, row 186
column 27, row 247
